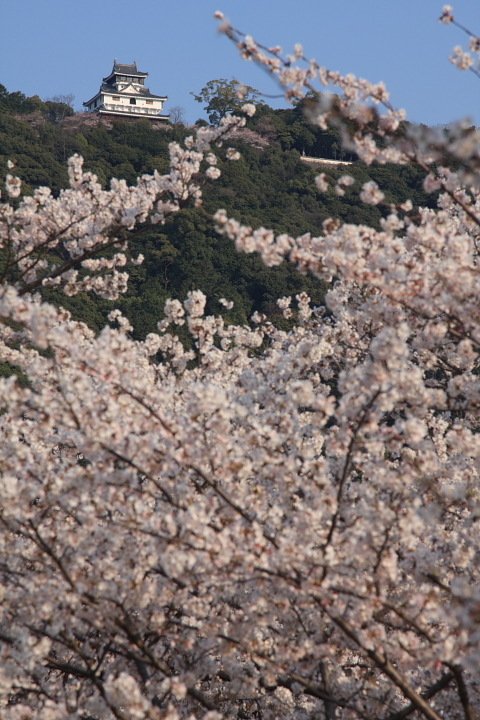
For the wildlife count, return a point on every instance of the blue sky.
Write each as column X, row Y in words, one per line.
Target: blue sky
column 49, row 47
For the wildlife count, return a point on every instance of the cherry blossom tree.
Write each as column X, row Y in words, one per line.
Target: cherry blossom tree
column 273, row 524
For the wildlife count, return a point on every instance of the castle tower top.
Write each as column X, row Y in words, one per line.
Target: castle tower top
column 123, row 93
column 122, row 74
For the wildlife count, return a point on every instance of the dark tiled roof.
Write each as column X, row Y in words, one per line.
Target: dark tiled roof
column 128, row 69
column 121, row 69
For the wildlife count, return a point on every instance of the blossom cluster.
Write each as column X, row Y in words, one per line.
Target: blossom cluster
column 371, row 127
column 86, row 221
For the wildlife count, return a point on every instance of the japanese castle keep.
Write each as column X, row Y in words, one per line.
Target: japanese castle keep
column 123, row 94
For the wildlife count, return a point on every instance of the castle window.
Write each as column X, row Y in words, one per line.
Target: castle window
column 115, row 98
column 133, row 101
column 149, row 102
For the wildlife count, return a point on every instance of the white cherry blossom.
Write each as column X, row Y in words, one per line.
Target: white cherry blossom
column 261, row 522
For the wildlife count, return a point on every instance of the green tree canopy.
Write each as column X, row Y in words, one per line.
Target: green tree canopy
column 222, row 97
column 269, row 186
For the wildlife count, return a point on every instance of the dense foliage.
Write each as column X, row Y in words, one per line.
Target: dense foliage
column 266, row 522
column 269, row 186
column 223, row 97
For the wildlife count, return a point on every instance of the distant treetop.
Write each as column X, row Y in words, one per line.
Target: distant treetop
column 224, row 96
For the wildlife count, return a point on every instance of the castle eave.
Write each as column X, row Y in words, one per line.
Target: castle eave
column 120, row 113
column 93, row 98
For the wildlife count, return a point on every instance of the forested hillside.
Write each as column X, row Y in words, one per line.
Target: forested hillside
column 269, row 186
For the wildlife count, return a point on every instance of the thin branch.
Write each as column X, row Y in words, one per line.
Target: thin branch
column 390, row 606
column 383, row 663
column 142, row 471
column 135, row 638
column 346, row 468
column 443, row 682
column 314, row 690
column 69, row 264
column 465, row 30
column 249, row 517
column 462, row 690
column 40, row 542
column 330, row 709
